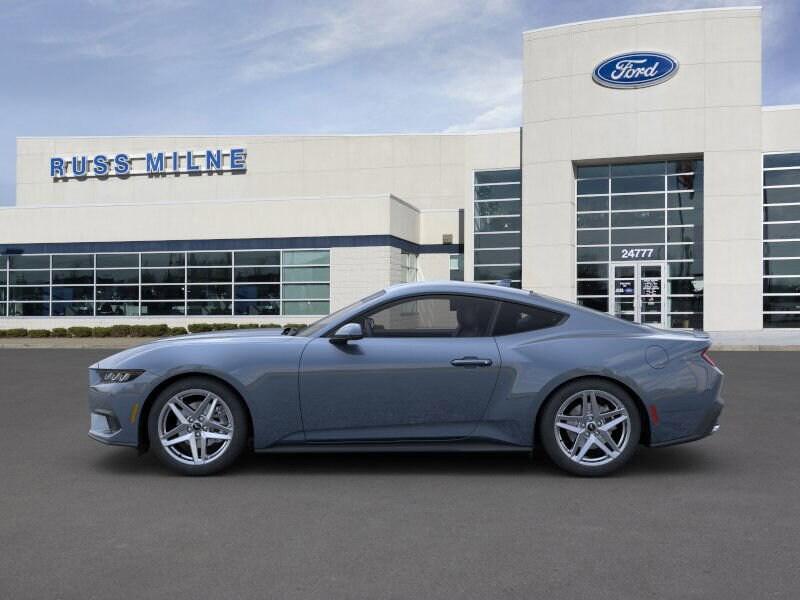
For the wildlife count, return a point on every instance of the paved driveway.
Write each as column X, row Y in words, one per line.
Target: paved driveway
column 715, row 519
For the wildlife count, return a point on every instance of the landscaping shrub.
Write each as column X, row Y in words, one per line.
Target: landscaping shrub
column 16, row 333
column 2, row 333
column 59, row 332
column 101, row 332
column 271, row 326
column 138, row 331
column 156, row 330
column 176, row 331
column 39, row 333
column 199, row 327
column 80, row 332
column 120, row 331
column 223, row 326
column 248, row 326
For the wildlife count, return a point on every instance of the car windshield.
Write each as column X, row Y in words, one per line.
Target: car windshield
column 325, row 322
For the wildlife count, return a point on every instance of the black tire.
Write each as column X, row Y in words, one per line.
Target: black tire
column 227, row 455
column 556, row 443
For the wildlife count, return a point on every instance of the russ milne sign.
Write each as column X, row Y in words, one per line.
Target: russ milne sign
column 151, row 163
column 635, row 70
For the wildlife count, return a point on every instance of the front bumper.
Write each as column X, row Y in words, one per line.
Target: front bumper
column 115, row 409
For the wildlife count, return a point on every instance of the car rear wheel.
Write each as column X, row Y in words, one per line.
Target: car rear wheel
column 590, row 427
column 197, row 426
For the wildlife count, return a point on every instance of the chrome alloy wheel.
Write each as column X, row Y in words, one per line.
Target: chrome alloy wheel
column 195, row 426
column 592, row 427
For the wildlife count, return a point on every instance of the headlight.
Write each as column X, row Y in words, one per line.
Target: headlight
column 118, row 375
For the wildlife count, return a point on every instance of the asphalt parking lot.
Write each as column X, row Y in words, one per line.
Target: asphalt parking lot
column 715, row 519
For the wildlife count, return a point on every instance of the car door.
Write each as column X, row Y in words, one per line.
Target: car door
column 425, row 369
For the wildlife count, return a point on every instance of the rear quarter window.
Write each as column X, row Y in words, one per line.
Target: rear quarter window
column 519, row 318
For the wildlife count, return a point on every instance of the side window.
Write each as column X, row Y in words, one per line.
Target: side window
column 518, row 318
column 432, row 316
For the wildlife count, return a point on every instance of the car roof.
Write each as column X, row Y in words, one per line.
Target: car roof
column 459, row 287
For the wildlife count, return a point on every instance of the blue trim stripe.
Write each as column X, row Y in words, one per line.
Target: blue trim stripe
column 339, row 241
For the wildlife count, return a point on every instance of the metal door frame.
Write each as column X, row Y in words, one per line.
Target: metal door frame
column 637, row 287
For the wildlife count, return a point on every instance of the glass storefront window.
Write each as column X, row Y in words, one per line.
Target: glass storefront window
column 168, row 283
column 163, row 259
column 456, row 267
column 305, row 257
column 115, row 261
column 73, row 261
column 781, row 249
column 497, row 226
column 642, row 213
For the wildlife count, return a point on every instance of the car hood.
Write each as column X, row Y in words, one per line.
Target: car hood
column 128, row 358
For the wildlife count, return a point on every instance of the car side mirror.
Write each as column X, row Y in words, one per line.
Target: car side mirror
column 350, row 331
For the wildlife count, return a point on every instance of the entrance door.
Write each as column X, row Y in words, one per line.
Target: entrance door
column 637, row 292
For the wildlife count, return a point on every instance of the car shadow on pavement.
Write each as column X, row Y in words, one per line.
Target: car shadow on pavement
column 647, row 462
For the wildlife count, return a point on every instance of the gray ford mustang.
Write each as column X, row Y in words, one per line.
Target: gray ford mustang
column 426, row 366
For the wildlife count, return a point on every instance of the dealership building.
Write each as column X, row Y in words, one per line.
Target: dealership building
column 646, row 180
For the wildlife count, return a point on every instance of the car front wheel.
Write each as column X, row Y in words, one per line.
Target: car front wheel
column 197, row 426
column 590, row 427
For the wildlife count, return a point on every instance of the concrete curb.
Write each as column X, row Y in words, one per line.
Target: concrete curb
column 753, row 348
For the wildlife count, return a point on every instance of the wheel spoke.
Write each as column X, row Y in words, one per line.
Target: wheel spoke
column 172, row 432
column 216, row 436
column 608, row 440
column 595, row 405
column 219, row 426
column 585, row 448
column 201, row 443
column 608, row 451
column 177, row 440
column 194, row 442
column 178, row 410
column 201, row 408
column 585, row 408
column 569, row 427
column 210, row 410
column 613, row 423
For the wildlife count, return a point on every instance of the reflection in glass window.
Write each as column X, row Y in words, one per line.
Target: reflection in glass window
column 163, row 259
column 114, row 261
column 305, row 257
column 209, row 259
column 306, row 308
column 32, row 261
column 73, row 261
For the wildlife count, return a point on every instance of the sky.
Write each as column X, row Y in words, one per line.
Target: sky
column 154, row 67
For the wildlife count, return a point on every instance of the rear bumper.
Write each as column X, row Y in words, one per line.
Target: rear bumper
column 706, row 425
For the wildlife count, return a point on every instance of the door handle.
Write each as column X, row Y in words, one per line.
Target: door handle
column 471, row 361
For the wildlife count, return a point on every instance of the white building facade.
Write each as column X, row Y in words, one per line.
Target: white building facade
column 656, row 187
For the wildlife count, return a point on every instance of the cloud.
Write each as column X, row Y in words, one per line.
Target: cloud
column 341, row 32
column 497, row 117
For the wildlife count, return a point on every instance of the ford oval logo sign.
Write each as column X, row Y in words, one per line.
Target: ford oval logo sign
column 635, row 70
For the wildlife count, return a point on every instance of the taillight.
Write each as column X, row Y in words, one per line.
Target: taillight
column 707, row 357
